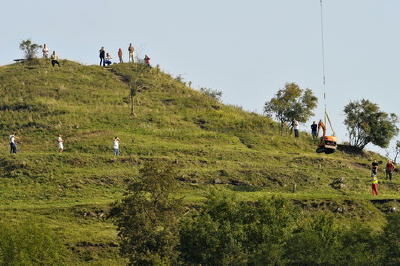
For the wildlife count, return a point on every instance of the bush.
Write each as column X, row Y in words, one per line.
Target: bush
column 215, row 94
column 30, row 244
column 227, row 231
column 147, row 217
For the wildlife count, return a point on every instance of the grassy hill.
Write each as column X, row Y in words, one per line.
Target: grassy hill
column 213, row 145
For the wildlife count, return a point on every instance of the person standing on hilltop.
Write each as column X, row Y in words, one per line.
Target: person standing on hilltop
column 54, row 59
column 131, row 52
column 13, row 143
column 147, row 60
column 120, row 55
column 116, row 146
column 102, row 55
column 60, row 143
column 314, row 130
column 45, row 51
column 389, row 169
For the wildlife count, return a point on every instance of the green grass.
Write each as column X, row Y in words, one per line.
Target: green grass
column 207, row 140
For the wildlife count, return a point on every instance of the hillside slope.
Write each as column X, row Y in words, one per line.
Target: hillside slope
column 208, row 141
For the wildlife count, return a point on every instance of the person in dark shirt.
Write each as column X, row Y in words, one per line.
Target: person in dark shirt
column 102, row 55
column 314, row 128
column 374, row 168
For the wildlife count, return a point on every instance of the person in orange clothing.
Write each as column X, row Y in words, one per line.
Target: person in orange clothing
column 322, row 126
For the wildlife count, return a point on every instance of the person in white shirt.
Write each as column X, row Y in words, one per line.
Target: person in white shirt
column 108, row 59
column 45, row 51
column 60, row 144
column 116, row 146
column 13, row 144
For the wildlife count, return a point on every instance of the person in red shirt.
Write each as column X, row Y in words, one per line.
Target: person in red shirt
column 389, row 169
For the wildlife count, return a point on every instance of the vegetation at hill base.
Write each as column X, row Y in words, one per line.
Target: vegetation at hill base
column 212, row 145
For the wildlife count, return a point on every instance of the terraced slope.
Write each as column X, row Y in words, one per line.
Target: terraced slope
column 211, row 143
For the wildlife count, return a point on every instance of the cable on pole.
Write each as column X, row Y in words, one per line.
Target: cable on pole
column 323, row 58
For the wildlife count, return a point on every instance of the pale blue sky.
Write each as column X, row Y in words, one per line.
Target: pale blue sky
column 248, row 49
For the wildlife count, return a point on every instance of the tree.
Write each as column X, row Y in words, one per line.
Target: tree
column 227, row 231
column 291, row 103
column 366, row 123
column 396, row 151
column 29, row 48
column 147, row 217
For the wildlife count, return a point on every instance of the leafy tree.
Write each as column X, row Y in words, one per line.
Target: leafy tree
column 391, row 241
column 396, row 151
column 291, row 103
column 227, row 231
column 29, row 48
column 366, row 123
column 147, row 217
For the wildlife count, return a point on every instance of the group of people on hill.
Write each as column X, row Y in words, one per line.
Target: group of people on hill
column 53, row 57
column 105, row 58
column 389, row 169
column 315, row 128
column 13, row 144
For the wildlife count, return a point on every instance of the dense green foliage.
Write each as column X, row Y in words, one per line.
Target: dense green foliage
column 366, row 123
column 291, row 103
column 147, row 217
column 227, row 231
column 30, row 244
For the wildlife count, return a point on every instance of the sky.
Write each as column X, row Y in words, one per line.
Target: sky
column 247, row 49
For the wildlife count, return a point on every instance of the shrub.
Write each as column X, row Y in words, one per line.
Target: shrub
column 147, row 217
column 227, row 231
column 30, row 244
column 215, row 94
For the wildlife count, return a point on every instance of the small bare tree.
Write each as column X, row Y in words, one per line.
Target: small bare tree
column 29, row 48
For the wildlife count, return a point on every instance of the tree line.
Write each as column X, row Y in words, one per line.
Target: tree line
column 156, row 228
column 365, row 121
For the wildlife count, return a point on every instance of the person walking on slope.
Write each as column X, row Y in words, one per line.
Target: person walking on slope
column 13, row 143
column 314, row 130
column 131, row 52
column 60, row 144
column 102, row 55
column 389, row 169
column 295, row 125
column 116, row 146
column 45, row 51
column 54, row 59
column 120, row 55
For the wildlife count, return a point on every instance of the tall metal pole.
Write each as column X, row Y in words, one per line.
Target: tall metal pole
column 323, row 58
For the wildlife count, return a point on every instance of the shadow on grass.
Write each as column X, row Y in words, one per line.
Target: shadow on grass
column 245, row 188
